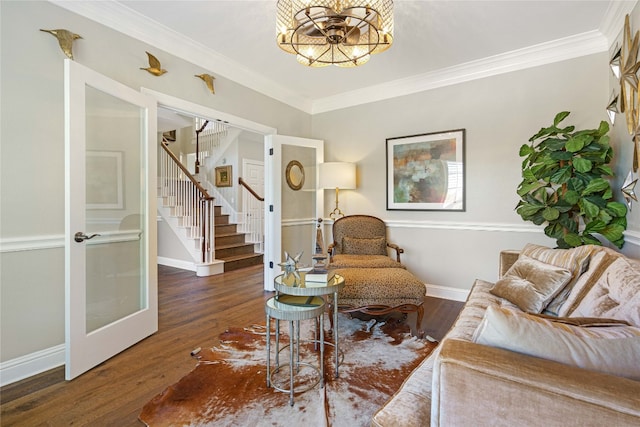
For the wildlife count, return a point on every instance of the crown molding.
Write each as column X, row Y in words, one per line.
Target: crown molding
column 127, row 21
column 613, row 20
column 533, row 56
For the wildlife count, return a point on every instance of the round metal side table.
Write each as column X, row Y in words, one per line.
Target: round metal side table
column 306, row 288
column 293, row 309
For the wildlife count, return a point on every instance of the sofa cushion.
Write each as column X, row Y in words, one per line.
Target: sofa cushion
column 363, row 261
column 356, row 246
column 575, row 260
column 615, row 293
column 531, row 284
column 610, row 349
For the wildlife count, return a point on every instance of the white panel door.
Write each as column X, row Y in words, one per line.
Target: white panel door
column 291, row 214
column 110, row 243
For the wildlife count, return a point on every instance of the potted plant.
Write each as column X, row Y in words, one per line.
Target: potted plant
column 563, row 185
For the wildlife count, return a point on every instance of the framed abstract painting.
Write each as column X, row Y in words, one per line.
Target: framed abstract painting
column 426, row 172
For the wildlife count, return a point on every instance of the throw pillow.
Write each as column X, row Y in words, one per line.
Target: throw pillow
column 599, row 262
column 611, row 349
column 531, row 284
column 575, row 260
column 356, row 246
column 615, row 294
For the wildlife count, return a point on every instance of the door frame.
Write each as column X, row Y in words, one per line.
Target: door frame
column 274, row 171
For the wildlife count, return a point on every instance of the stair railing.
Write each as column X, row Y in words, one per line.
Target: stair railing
column 191, row 201
column 252, row 216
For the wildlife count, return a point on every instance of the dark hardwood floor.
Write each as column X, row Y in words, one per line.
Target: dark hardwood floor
column 193, row 312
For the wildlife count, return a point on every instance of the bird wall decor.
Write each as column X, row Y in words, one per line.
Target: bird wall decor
column 208, row 79
column 154, row 67
column 65, row 40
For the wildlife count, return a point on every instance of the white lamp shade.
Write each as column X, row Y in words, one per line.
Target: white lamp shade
column 337, row 175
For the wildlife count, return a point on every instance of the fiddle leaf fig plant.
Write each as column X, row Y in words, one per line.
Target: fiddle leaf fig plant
column 564, row 186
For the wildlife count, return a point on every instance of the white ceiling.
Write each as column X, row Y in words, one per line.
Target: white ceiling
column 436, row 43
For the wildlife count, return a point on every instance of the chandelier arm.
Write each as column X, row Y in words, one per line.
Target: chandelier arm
column 312, row 60
column 315, row 24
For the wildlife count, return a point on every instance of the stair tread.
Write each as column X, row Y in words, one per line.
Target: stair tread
column 234, row 245
column 241, row 256
column 229, row 234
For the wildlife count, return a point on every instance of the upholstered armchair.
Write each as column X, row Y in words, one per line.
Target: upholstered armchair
column 360, row 241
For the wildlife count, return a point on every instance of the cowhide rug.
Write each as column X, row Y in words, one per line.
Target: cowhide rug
column 228, row 385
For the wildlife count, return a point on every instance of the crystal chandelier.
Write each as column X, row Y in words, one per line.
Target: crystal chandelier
column 339, row 32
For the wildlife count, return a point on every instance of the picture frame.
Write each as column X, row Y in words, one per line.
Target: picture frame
column 104, row 180
column 223, row 176
column 426, row 172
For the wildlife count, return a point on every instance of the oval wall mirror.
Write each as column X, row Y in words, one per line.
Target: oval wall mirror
column 294, row 175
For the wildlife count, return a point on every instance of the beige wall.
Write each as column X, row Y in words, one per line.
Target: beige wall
column 32, row 161
column 499, row 113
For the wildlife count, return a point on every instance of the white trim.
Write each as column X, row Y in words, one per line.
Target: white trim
column 446, row 292
column 55, row 241
column 31, row 364
column 127, row 21
column 466, row 226
column 298, row 221
column 632, row 237
column 31, row 243
column 177, row 263
column 193, row 109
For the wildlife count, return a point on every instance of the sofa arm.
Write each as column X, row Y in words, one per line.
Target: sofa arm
column 481, row 386
column 507, row 259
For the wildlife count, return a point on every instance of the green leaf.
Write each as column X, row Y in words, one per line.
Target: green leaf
column 562, row 175
column 582, row 165
column 590, row 240
column 528, row 187
column 575, row 144
column 553, row 144
column 571, row 197
column 604, row 170
column 527, row 211
column 613, row 232
column 590, row 209
column 617, row 209
column 604, row 127
column 550, row 214
column 560, row 117
column 595, row 227
column 554, row 230
column 596, row 185
column 561, row 155
column 525, row 150
column 573, row 240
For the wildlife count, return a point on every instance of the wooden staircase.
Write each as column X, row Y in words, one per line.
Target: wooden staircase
column 230, row 246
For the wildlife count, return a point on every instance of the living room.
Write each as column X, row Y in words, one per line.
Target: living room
column 500, row 104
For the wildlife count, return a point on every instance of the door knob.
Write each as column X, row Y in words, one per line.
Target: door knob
column 81, row 237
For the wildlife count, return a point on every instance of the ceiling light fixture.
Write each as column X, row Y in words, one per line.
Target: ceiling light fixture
column 339, row 32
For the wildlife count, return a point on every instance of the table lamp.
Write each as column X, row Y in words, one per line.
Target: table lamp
column 338, row 175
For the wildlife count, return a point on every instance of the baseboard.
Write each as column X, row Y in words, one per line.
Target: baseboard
column 31, row 364
column 445, row 292
column 177, row 263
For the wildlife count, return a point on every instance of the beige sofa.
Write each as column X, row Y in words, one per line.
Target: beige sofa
column 465, row 383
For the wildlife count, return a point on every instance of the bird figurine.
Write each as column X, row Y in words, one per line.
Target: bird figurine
column 65, row 40
column 154, row 67
column 208, row 79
